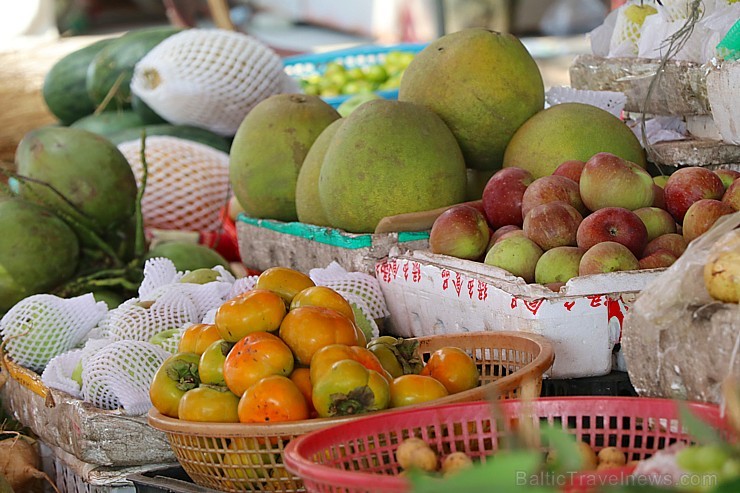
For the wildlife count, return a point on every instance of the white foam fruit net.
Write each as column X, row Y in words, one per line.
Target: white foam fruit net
column 42, row 326
column 361, row 290
column 610, row 101
column 628, row 28
column 165, row 303
column 208, row 78
column 58, row 373
column 118, row 376
column 187, row 183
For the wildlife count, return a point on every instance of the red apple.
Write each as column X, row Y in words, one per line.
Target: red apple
column 657, row 221
column 570, row 169
column 673, row 242
column 659, row 259
column 517, row 255
column 658, row 197
column 688, row 185
column 502, row 231
column 727, row 176
column 610, row 181
column 615, row 224
column 558, row 265
column 732, row 196
column 701, row 216
column 502, row 196
column 461, row 231
column 552, row 188
column 607, row 256
column 552, row 224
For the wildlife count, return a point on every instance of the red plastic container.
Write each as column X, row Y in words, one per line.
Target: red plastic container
column 358, row 456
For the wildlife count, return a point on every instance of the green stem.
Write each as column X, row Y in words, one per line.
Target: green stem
column 139, row 245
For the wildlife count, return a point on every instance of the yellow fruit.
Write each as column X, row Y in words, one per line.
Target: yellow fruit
column 638, row 13
column 483, row 84
column 722, row 270
column 569, row 131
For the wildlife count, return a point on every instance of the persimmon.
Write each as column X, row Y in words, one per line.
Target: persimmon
column 309, row 328
column 284, row 281
column 257, row 310
column 258, row 355
column 273, row 399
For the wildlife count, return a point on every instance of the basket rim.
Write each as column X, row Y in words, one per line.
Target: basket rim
column 541, row 362
column 297, row 451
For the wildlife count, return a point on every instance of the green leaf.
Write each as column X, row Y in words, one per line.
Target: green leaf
column 505, row 472
column 563, row 445
column 702, row 432
column 731, row 486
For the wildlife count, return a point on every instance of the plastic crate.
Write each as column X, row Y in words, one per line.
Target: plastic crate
column 359, row 456
column 616, row 384
column 361, row 56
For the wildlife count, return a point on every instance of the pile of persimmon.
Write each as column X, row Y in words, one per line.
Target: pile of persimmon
column 289, row 350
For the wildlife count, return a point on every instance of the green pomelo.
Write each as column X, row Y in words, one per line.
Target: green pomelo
column 188, row 256
column 389, row 157
column 269, row 149
column 87, row 169
column 307, row 201
column 570, row 131
column 108, row 123
column 483, row 84
column 38, row 251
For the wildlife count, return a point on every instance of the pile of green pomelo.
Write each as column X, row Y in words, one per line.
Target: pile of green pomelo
column 469, row 104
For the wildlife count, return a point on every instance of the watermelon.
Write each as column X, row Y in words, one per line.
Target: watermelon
column 109, row 123
column 65, row 90
column 115, row 64
column 186, row 132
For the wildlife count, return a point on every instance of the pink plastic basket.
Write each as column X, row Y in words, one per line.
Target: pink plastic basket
column 358, row 456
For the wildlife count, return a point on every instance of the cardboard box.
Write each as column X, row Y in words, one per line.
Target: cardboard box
column 265, row 243
column 431, row 294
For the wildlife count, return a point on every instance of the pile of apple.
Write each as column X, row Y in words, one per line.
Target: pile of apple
column 601, row 216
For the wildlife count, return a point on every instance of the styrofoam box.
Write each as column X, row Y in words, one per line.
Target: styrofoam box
column 430, row 294
column 265, row 243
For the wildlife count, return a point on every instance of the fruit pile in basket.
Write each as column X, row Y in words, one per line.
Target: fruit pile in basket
column 603, row 215
column 339, row 78
column 288, row 350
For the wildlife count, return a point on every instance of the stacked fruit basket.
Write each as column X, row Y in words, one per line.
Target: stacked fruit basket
column 414, row 230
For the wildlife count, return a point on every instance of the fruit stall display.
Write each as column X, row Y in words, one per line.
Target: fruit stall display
column 464, row 193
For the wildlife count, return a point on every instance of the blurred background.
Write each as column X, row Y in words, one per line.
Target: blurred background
column 34, row 34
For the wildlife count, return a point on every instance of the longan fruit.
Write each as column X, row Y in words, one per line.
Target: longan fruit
column 612, row 455
column 415, row 453
column 456, row 462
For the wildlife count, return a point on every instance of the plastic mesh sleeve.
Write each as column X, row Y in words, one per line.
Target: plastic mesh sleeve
column 118, row 376
column 187, row 183
column 43, row 326
column 208, row 78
